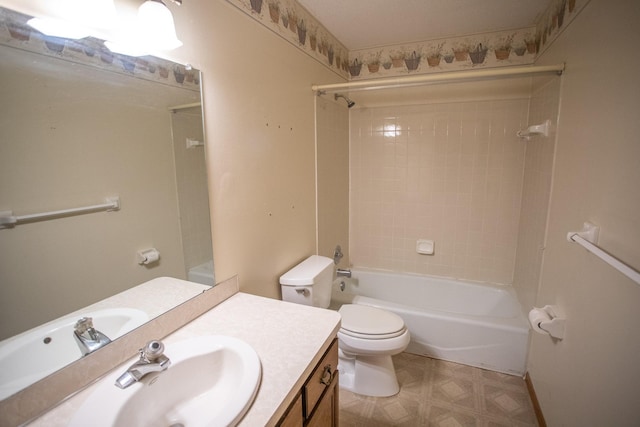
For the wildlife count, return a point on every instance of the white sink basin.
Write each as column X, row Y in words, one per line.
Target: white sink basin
column 34, row 354
column 212, row 381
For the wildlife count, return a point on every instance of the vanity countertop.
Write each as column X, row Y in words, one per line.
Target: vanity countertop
column 289, row 338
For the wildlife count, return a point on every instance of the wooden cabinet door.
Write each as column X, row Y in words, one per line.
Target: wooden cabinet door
column 320, row 379
column 293, row 417
column 327, row 411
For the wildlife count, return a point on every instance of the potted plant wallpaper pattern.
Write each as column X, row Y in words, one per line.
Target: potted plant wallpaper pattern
column 555, row 19
column 15, row 32
column 295, row 24
column 494, row 49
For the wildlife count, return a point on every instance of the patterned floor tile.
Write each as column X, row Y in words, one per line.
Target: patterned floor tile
column 456, row 391
column 447, row 417
column 437, row 393
column 501, row 378
column 508, row 403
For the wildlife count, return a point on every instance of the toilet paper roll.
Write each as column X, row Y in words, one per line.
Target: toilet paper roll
column 148, row 256
column 536, row 316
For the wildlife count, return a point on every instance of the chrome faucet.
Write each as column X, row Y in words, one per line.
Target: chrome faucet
column 343, row 272
column 151, row 360
column 87, row 337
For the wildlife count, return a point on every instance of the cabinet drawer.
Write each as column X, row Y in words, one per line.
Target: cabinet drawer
column 321, row 378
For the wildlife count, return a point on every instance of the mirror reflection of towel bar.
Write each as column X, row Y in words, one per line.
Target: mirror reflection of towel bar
column 7, row 219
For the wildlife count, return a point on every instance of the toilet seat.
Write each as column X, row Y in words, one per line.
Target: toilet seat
column 366, row 322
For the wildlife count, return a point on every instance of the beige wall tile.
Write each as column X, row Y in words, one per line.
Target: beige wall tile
column 451, row 172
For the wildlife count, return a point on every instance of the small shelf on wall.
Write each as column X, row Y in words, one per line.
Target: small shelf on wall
column 535, row 130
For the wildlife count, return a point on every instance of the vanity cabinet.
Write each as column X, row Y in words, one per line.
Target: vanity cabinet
column 317, row 403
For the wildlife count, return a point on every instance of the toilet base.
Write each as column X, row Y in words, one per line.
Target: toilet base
column 368, row 375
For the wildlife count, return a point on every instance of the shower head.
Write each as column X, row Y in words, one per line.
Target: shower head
column 350, row 103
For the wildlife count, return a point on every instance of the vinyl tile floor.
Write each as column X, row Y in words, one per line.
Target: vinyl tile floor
column 437, row 393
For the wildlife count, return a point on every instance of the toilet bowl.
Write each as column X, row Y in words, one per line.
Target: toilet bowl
column 367, row 339
column 368, row 336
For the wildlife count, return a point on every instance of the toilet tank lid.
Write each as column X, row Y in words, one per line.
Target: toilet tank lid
column 304, row 274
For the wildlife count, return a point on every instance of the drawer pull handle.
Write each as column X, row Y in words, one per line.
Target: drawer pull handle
column 327, row 376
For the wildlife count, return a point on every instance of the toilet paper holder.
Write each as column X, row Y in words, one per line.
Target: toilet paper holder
column 555, row 324
column 148, row 256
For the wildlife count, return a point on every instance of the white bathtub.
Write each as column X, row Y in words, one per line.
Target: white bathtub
column 202, row 274
column 471, row 323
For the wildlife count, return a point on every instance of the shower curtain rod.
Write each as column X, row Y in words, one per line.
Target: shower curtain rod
column 447, row 77
column 184, row 106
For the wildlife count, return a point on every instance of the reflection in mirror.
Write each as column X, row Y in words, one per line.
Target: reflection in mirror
column 79, row 126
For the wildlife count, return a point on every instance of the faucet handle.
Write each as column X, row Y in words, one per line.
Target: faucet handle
column 83, row 325
column 337, row 255
column 152, row 350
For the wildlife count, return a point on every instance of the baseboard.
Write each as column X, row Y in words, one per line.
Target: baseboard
column 534, row 401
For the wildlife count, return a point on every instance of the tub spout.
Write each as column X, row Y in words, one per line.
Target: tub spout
column 343, row 272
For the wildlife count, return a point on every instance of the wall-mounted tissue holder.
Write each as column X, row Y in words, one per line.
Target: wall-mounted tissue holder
column 148, row 256
column 548, row 320
column 541, row 129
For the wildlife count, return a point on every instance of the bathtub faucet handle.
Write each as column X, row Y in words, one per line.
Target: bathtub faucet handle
column 337, row 255
column 343, row 272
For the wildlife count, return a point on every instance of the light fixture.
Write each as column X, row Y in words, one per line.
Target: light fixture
column 156, row 25
column 77, row 19
column 59, row 28
column 153, row 30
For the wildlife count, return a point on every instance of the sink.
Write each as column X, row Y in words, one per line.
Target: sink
column 38, row 352
column 212, row 381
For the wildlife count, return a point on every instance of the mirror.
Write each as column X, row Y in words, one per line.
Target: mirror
column 79, row 126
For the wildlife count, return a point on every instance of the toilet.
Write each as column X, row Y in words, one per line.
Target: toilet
column 367, row 338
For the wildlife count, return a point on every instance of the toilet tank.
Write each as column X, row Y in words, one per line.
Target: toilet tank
column 309, row 282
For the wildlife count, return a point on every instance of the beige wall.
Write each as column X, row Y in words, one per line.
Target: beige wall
column 259, row 126
column 591, row 377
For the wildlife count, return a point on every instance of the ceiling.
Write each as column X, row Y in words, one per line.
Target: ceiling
column 361, row 24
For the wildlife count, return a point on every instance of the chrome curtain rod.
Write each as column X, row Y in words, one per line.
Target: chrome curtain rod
column 447, row 77
column 185, row 106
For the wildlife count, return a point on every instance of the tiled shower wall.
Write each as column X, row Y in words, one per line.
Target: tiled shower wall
column 450, row 172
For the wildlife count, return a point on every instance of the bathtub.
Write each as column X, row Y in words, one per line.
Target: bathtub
column 472, row 323
column 202, row 274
